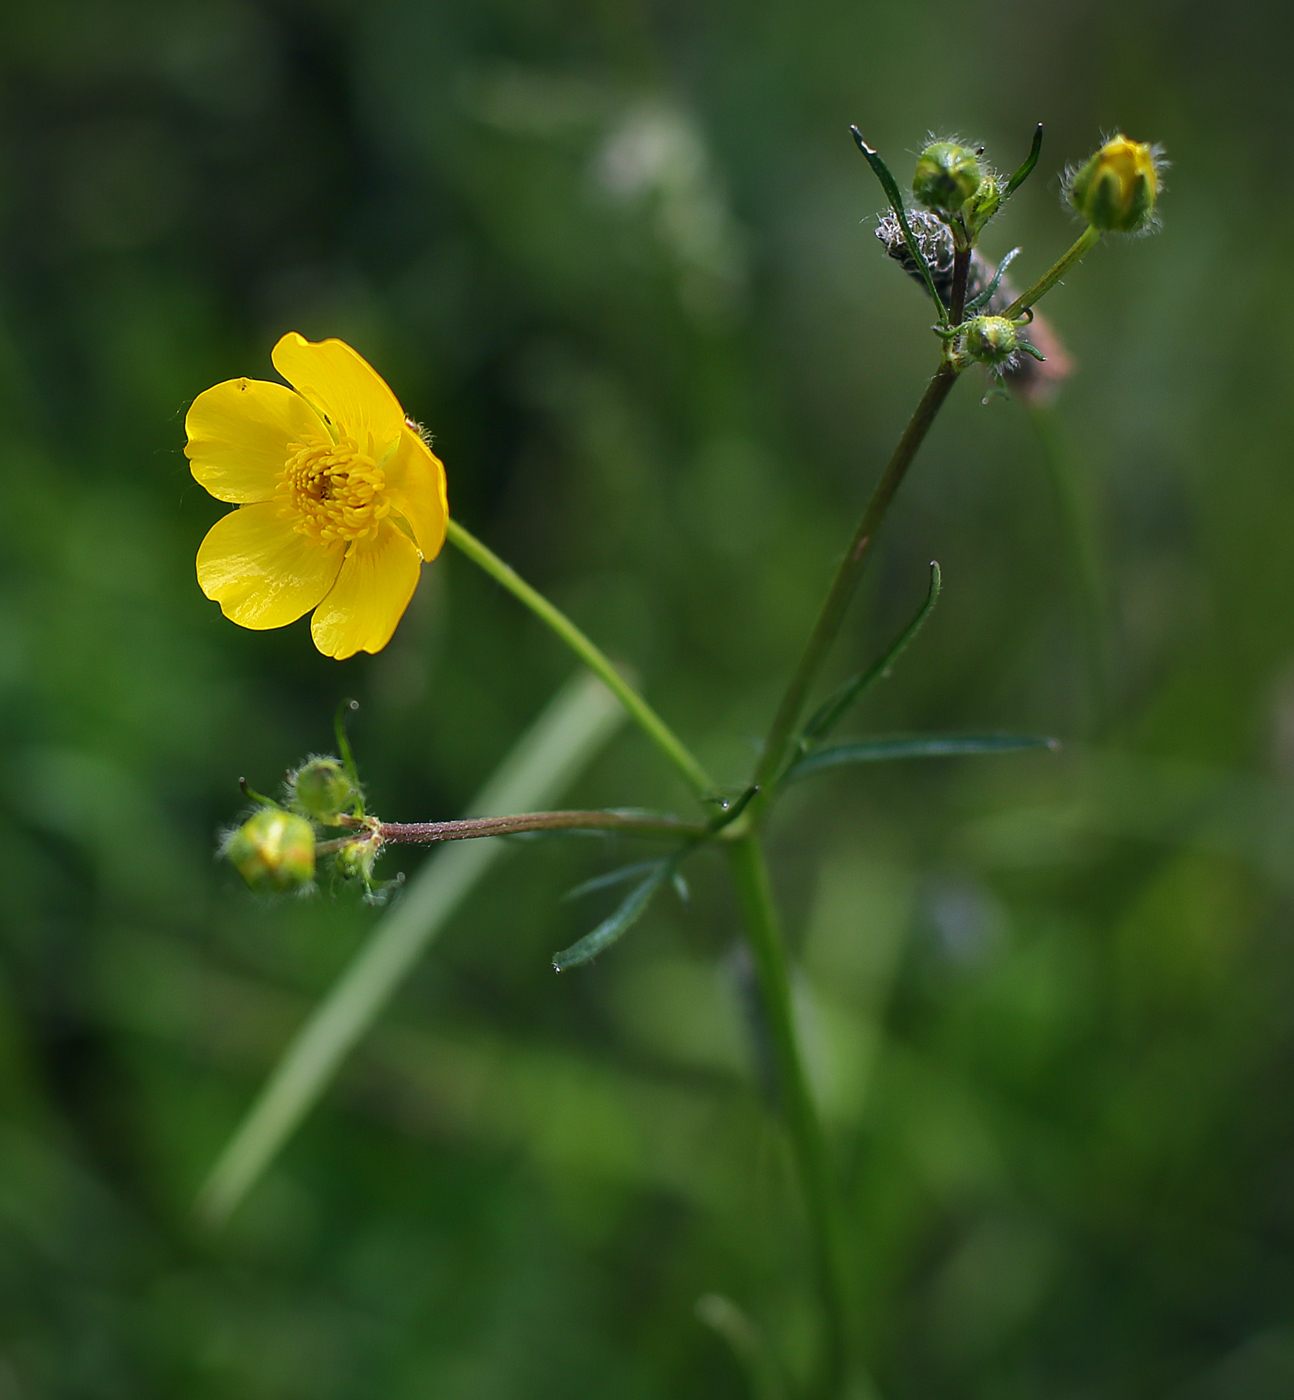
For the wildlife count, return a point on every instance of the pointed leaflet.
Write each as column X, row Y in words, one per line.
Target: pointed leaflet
column 987, row 295
column 891, row 187
column 826, row 717
column 1026, row 169
column 630, row 911
column 612, row 877
column 918, row 746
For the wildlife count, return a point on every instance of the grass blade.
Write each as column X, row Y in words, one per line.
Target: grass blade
column 576, row 724
column 918, row 746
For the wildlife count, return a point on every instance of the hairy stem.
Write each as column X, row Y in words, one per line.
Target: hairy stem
column 847, row 576
column 591, row 655
column 808, row 1144
column 1086, row 241
column 630, row 824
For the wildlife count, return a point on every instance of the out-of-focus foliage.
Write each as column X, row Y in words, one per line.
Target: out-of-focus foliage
column 619, row 259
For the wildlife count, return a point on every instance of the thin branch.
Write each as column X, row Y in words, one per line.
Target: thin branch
column 630, row 823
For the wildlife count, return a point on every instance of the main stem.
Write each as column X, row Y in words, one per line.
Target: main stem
column 751, row 877
column 750, row 874
column 847, row 576
column 593, row 657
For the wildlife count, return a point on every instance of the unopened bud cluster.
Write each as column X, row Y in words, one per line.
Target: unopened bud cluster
column 275, row 849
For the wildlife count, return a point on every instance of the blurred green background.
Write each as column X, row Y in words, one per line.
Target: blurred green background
column 618, row 257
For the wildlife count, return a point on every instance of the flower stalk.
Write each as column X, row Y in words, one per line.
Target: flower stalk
column 593, row 657
column 1082, row 245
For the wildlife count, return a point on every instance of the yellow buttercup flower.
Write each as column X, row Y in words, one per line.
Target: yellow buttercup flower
column 340, row 499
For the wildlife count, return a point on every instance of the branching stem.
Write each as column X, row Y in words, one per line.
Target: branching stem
column 846, row 580
column 627, row 823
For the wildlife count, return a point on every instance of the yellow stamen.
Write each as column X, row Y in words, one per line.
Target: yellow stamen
column 332, row 491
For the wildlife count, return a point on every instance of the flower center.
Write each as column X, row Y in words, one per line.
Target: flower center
column 332, row 491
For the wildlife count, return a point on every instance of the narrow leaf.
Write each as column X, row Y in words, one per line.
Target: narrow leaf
column 1026, row 169
column 892, row 192
column 733, row 809
column 828, row 715
column 989, row 292
column 612, row 877
column 610, row 929
column 918, row 746
column 344, row 712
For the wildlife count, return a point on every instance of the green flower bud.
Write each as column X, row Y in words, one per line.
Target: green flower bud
column 1116, row 190
column 947, row 176
column 992, row 340
column 356, row 859
column 273, row 850
column 321, row 789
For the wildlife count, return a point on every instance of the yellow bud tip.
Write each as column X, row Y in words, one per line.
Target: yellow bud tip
column 274, row 851
column 1116, row 190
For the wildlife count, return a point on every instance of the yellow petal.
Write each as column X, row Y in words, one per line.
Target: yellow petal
column 372, row 591
column 239, row 434
column 261, row 571
column 344, row 387
column 415, row 479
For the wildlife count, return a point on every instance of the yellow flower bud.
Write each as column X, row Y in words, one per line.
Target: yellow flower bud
column 992, row 340
column 273, row 850
column 947, row 175
column 322, row 789
column 1116, row 190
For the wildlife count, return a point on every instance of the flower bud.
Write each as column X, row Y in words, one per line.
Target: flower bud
column 1115, row 191
column 947, row 175
column 991, row 340
column 355, row 859
column 273, row 850
column 321, row 789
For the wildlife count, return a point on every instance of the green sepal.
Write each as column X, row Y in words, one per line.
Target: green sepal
column 918, row 746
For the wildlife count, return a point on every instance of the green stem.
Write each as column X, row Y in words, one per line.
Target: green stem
column 847, row 576
column 750, row 874
column 591, row 655
column 1086, row 240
